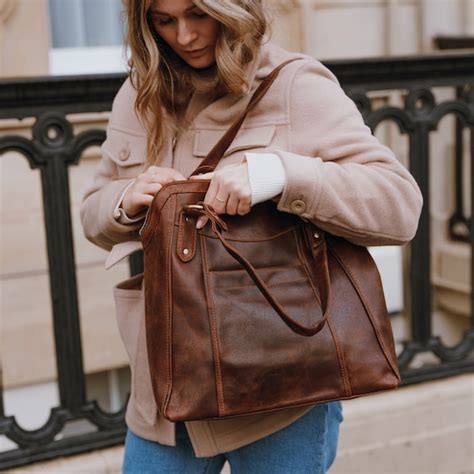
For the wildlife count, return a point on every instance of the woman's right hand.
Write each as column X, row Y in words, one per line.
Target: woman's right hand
column 140, row 194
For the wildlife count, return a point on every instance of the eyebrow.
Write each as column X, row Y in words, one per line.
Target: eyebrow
column 158, row 12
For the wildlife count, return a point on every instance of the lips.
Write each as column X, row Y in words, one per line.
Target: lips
column 196, row 53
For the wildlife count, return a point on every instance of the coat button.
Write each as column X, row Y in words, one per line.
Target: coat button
column 298, row 206
column 124, row 153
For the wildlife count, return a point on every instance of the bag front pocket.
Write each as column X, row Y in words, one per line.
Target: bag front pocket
column 262, row 360
column 263, row 364
column 130, row 312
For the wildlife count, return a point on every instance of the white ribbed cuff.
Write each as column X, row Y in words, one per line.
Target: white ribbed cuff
column 267, row 176
column 120, row 215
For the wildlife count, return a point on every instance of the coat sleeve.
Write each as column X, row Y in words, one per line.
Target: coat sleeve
column 339, row 176
column 104, row 190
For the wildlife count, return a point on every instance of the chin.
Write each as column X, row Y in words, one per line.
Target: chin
column 201, row 63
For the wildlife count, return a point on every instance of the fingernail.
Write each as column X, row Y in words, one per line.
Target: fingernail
column 199, row 223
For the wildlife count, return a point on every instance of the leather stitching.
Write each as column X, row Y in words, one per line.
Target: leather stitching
column 274, row 285
column 263, row 239
column 342, row 361
column 306, row 269
column 339, row 352
column 180, row 244
column 169, row 346
column 213, row 327
column 340, row 355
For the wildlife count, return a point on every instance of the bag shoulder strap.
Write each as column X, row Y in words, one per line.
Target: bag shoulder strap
column 214, row 156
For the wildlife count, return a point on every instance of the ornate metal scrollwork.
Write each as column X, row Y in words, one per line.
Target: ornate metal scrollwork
column 420, row 102
column 53, row 148
column 421, row 115
column 52, row 131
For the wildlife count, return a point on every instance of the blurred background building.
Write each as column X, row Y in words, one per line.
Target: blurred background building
column 425, row 427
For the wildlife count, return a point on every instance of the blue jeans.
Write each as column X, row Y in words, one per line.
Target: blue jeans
column 306, row 446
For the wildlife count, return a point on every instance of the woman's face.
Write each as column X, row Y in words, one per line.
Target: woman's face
column 189, row 31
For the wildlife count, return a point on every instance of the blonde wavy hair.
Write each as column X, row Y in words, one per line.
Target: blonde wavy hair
column 165, row 83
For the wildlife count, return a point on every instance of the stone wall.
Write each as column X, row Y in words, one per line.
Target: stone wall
column 24, row 38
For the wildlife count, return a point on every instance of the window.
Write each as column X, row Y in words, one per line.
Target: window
column 86, row 36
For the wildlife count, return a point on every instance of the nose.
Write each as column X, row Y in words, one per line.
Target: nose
column 186, row 35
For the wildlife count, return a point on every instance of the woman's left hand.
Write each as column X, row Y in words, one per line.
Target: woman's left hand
column 229, row 191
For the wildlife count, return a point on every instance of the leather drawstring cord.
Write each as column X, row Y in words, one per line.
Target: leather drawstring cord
column 213, row 217
column 218, row 225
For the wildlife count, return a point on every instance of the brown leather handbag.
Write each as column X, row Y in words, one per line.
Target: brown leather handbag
column 259, row 312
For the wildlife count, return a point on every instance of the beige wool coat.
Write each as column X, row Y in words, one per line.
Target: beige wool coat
column 337, row 175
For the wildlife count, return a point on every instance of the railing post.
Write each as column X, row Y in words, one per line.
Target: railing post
column 420, row 269
column 53, row 161
column 471, row 235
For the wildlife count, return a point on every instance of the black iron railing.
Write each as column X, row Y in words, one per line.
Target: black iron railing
column 454, row 42
column 460, row 222
column 54, row 148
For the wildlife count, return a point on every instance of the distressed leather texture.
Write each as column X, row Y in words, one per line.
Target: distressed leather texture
column 338, row 176
column 256, row 313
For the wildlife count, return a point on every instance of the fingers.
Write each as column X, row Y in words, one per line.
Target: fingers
column 148, row 188
column 147, row 200
column 134, row 202
column 203, row 176
column 229, row 192
column 162, row 175
column 232, row 204
column 244, row 206
column 211, row 194
column 146, row 185
column 142, row 187
column 201, row 222
column 228, row 188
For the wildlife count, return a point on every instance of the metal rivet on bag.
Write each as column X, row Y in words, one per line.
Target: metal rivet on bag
column 186, row 251
column 316, row 235
column 187, row 219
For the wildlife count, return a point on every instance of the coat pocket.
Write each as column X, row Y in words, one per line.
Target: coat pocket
column 126, row 150
column 246, row 139
column 130, row 312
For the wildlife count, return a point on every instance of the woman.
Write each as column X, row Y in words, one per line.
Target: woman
column 194, row 65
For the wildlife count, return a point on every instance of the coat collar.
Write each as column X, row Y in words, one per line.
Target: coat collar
column 222, row 112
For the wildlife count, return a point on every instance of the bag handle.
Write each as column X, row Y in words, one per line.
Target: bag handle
column 214, row 156
column 320, row 257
